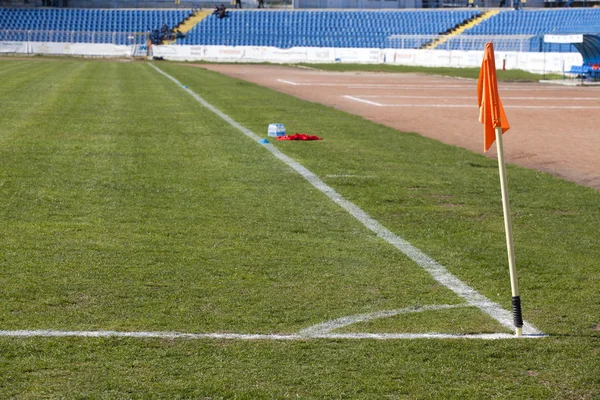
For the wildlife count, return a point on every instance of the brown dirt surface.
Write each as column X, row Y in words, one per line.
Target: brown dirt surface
column 555, row 129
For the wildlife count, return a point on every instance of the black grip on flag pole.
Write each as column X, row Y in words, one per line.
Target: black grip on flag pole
column 516, row 308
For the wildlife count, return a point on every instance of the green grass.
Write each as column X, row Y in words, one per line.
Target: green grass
column 514, row 75
column 125, row 205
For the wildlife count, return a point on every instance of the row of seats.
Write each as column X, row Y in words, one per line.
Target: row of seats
column 538, row 22
column 81, row 12
column 89, row 20
column 364, row 28
column 377, row 29
column 586, row 71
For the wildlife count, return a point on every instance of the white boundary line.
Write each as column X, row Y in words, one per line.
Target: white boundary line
column 319, row 331
column 238, row 336
column 437, row 271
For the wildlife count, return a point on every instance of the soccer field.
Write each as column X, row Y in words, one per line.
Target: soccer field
column 231, row 268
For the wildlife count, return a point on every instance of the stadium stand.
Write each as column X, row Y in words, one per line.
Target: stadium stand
column 537, row 22
column 306, row 28
column 84, row 25
column 384, row 29
column 355, row 29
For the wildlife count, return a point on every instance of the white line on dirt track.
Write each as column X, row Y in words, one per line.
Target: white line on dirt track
column 436, row 270
column 288, row 82
column 474, row 106
column 400, row 86
column 364, row 101
column 391, row 96
column 378, row 85
column 505, row 106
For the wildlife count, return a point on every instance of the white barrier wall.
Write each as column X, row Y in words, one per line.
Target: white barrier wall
column 532, row 62
column 13, row 47
column 73, row 49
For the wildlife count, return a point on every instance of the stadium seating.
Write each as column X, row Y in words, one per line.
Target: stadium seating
column 84, row 25
column 286, row 29
column 302, row 28
column 536, row 23
column 586, row 71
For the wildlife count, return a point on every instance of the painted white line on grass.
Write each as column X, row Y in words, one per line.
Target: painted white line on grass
column 328, row 326
column 431, row 335
column 145, row 335
column 236, row 336
column 363, row 101
column 437, row 271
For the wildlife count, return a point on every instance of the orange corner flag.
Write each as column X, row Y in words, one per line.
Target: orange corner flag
column 491, row 112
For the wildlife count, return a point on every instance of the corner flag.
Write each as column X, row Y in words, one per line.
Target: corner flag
column 491, row 112
column 491, row 115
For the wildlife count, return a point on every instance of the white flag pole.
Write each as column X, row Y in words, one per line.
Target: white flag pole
column 516, row 301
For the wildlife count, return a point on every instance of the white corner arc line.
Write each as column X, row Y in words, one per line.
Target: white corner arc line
column 363, row 101
column 437, row 271
column 328, row 326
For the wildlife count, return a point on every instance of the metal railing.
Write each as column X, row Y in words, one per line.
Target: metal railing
column 322, row 4
column 461, row 42
column 516, row 43
column 119, row 38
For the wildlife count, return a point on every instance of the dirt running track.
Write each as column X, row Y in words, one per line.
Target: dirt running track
column 554, row 128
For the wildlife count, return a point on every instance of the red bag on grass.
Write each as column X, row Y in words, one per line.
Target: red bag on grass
column 298, row 136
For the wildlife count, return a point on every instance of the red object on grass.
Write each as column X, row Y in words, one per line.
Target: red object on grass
column 299, row 136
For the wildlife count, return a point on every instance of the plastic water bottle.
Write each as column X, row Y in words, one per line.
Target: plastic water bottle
column 276, row 130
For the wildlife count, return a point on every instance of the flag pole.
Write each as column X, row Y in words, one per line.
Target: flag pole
column 516, row 301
